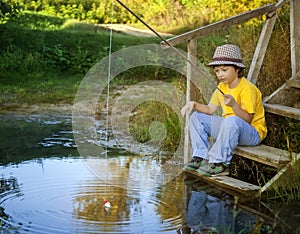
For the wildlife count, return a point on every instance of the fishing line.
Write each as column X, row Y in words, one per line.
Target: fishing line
column 108, row 86
column 106, row 203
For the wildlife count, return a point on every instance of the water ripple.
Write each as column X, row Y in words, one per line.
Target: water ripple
column 62, row 196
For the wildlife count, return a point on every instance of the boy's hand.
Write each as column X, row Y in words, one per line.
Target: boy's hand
column 188, row 107
column 229, row 100
column 238, row 111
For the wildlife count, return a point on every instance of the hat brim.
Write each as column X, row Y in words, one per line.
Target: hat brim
column 218, row 63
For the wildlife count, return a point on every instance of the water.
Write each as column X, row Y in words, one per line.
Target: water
column 47, row 187
column 62, row 196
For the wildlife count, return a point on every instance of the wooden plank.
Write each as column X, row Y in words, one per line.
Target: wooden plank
column 264, row 154
column 282, row 87
column 293, row 83
column 285, row 111
column 280, row 3
column 261, row 49
column 194, row 34
column 268, row 98
column 229, row 184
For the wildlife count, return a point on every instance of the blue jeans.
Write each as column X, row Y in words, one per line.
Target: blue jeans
column 227, row 132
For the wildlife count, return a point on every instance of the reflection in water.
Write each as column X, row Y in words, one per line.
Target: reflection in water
column 45, row 187
column 206, row 213
column 132, row 172
column 131, row 211
column 209, row 210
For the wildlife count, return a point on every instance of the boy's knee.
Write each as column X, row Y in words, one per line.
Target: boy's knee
column 196, row 117
column 231, row 122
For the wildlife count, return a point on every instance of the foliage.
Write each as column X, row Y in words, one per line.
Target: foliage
column 8, row 9
column 46, row 43
column 43, row 58
column 160, row 13
column 283, row 133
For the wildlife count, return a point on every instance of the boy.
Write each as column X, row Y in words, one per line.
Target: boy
column 242, row 121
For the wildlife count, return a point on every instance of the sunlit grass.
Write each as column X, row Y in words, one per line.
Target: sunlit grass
column 288, row 190
column 150, row 112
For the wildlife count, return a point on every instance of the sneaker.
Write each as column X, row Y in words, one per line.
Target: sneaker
column 195, row 163
column 213, row 169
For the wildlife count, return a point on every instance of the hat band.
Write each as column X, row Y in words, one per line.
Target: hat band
column 227, row 59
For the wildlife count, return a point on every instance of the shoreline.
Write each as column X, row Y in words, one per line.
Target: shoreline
column 34, row 109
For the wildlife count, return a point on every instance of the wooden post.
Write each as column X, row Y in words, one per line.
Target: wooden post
column 261, row 49
column 295, row 36
column 192, row 54
column 262, row 43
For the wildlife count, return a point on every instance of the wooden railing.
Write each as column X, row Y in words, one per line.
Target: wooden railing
column 196, row 33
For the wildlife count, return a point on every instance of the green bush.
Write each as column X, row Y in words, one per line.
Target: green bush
column 40, row 42
column 159, row 13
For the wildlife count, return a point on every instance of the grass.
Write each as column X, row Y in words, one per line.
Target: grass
column 38, row 88
column 290, row 191
column 153, row 112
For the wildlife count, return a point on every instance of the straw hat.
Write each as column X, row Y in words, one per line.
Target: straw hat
column 227, row 55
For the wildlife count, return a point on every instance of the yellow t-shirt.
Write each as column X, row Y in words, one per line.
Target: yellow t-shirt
column 248, row 96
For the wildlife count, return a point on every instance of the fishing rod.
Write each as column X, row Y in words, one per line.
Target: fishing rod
column 157, row 34
column 143, row 22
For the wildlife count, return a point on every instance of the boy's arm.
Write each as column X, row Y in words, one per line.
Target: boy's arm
column 206, row 109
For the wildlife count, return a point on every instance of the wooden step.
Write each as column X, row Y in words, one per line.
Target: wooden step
column 250, row 191
column 285, row 111
column 264, row 154
column 229, row 184
column 293, row 83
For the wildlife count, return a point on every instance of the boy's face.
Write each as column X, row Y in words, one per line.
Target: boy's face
column 226, row 74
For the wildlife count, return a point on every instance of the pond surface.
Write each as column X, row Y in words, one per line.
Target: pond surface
column 47, row 187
